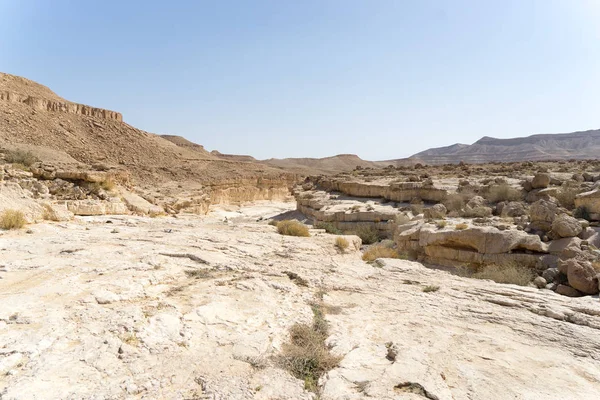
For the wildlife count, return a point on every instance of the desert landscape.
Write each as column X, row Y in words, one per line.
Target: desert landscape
column 142, row 266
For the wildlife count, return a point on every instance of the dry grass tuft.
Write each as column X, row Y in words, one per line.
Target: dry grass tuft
column 329, row 228
column 509, row 273
column 431, row 288
column 369, row 234
column 306, row 356
column 503, row 192
column 292, row 228
column 441, row 224
column 12, row 219
column 379, row 251
column 461, row 227
column 21, row 157
column 341, row 243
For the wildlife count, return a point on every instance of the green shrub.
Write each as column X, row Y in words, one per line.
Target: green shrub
column 12, row 219
column 369, row 234
column 292, row 228
column 329, row 228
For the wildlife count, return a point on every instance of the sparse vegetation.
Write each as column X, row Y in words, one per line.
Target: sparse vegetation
column 462, row 226
column 297, row 279
column 441, row 224
column 503, row 192
column 582, row 212
column 369, row 234
column 455, row 202
column 292, row 228
column 306, row 356
column 341, row 243
column 508, row 273
column 431, row 288
column 12, row 219
column 566, row 195
column 379, row 251
column 198, row 273
column 329, row 228
column 22, row 157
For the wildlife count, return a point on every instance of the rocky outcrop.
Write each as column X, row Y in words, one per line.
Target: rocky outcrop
column 591, row 201
column 565, row 226
column 58, row 106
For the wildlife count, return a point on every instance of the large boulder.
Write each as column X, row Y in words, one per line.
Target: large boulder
column 566, row 290
column 540, row 181
column 542, row 214
column 565, row 226
column 476, row 208
column 582, row 276
column 437, row 211
column 513, row 209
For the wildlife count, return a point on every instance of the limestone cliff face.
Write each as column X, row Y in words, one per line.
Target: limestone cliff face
column 60, row 106
column 402, row 192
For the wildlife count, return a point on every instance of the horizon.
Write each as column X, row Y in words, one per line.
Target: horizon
column 379, row 80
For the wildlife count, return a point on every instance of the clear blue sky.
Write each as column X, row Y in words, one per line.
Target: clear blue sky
column 280, row 78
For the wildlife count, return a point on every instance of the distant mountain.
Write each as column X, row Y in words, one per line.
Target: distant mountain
column 563, row 146
column 327, row 165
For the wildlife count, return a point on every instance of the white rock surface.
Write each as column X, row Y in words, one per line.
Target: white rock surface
column 198, row 308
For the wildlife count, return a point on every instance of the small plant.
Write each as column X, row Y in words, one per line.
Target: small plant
column 379, row 251
column 12, row 219
column 329, row 228
column 292, row 228
column 198, row 273
column 441, row 224
column 341, row 243
column 509, row 273
column 461, row 227
column 108, row 184
column 369, row 234
column 355, row 208
column 431, row 288
column 22, row 157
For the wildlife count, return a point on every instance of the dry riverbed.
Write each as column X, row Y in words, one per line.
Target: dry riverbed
column 200, row 308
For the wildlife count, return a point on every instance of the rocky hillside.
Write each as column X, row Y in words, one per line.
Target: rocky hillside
column 576, row 145
column 34, row 118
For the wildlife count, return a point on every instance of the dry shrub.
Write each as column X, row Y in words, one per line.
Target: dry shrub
column 379, row 251
column 341, row 243
column 582, row 212
column 292, row 228
column 508, row 273
column 108, row 184
column 455, row 202
column 441, row 224
column 12, row 219
column 566, row 194
column 306, row 356
column 431, row 288
column 461, row 227
column 503, row 192
column 22, row 157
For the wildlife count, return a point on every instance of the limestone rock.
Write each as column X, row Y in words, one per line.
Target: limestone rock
column 566, row 290
column 582, row 276
column 513, row 209
column 590, row 200
column 542, row 214
column 540, row 282
column 566, row 226
column 437, row 211
column 540, row 181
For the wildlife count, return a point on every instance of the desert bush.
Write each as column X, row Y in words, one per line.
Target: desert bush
column 108, row 184
column 12, row 219
column 341, row 243
column 441, row 224
column 431, row 288
column 455, row 202
column 379, row 251
column 582, row 212
column 25, row 158
column 329, row 228
column 369, row 234
column 273, row 222
column 292, row 228
column 306, row 356
column 509, row 273
column 462, row 226
column 503, row 192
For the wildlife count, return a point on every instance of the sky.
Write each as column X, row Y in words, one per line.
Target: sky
column 382, row 79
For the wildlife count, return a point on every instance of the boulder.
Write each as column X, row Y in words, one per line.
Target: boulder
column 565, row 226
column 540, row 282
column 568, row 291
column 437, row 211
column 540, row 181
column 590, row 200
column 550, row 274
column 513, row 209
column 582, row 276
